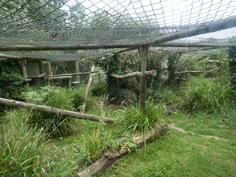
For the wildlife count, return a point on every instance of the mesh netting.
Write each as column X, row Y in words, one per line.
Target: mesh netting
column 113, row 22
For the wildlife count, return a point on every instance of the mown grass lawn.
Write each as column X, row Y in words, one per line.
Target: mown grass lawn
column 185, row 155
column 176, row 154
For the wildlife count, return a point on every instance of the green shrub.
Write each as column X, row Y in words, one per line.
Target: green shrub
column 11, row 80
column 209, row 95
column 54, row 125
column 21, row 147
column 77, row 99
column 133, row 119
column 93, row 145
column 118, row 96
column 99, row 89
column 164, row 95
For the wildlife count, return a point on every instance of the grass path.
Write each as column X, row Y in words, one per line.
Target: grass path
column 173, row 126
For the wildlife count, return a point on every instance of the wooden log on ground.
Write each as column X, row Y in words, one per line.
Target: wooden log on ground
column 55, row 110
column 108, row 158
column 134, row 74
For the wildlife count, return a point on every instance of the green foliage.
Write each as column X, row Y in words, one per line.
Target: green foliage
column 64, row 161
column 164, row 95
column 183, row 154
column 99, row 89
column 11, row 80
column 54, row 125
column 77, row 99
column 209, row 95
column 23, row 151
column 124, row 96
column 133, row 119
column 21, row 147
column 93, row 145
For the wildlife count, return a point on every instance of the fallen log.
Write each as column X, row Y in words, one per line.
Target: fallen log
column 108, row 158
column 49, row 109
column 134, row 74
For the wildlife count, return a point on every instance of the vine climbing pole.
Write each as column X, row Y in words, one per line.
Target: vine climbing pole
column 143, row 53
column 232, row 66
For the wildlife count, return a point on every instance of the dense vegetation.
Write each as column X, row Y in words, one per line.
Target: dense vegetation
column 200, row 106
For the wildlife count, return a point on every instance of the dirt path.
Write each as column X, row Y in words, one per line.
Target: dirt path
column 173, row 126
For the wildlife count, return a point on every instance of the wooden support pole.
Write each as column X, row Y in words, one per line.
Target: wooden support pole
column 24, row 68
column 77, row 70
column 88, row 88
column 143, row 52
column 49, row 68
column 49, row 109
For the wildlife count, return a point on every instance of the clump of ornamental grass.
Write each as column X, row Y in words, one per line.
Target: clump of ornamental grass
column 21, row 147
column 208, row 95
column 54, row 125
column 133, row 119
column 93, row 144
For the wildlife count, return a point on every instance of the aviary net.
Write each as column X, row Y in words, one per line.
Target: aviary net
column 116, row 23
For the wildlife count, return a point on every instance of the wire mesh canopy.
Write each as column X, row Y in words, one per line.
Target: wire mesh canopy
column 115, row 23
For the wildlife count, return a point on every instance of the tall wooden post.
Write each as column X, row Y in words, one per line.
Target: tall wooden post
column 23, row 66
column 23, row 63
column 77, row 70
column 88, row 87
column 143, row 52
column 232, row 66
column 49, row 68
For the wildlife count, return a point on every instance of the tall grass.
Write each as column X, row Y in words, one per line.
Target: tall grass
column 208, row 95
column 93, row 144
column 54, row 125
column 21, row 147
column 133, row 119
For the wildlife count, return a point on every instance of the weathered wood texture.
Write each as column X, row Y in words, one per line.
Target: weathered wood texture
column 55, row 110
column 71, row 74
column 108, row 158
column 134, row 74
column 77, row 70
column 143, row 52
column 88, row 88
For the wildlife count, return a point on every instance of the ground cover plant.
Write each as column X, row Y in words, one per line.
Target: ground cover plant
column 21, row 147
column 133, row 119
